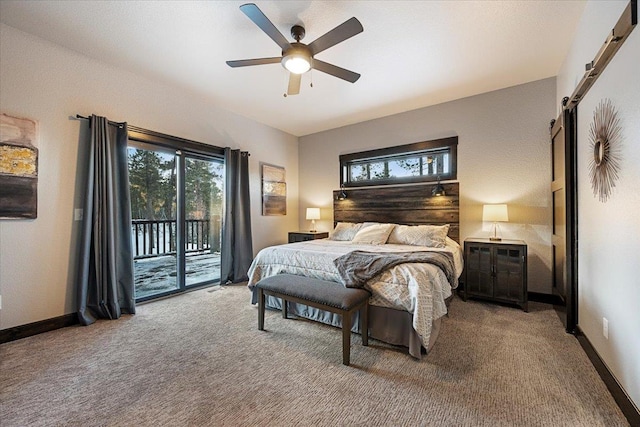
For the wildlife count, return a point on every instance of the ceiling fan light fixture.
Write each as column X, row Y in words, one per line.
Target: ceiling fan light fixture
column 296, row 63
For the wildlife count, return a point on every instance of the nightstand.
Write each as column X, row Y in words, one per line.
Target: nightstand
column 496, row 271
column 303, row 236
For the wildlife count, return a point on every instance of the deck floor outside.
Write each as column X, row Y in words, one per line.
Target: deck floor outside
column 158, row 274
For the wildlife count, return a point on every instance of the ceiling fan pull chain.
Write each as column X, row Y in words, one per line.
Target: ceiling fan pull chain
column 285, row 81
column 311, row 77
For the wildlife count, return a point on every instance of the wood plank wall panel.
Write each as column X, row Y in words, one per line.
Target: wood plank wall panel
column 409, row 204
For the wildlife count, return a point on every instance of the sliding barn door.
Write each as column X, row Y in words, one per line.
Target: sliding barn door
column 564, row 238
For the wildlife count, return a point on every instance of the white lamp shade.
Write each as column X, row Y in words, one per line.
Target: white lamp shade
column 313, row 213
column 495, row 213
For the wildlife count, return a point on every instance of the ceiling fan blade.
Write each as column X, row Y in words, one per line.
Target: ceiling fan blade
column 294, row 84
column 339, row 34
column 259, row 18
column 335, row 71
column 249, row 62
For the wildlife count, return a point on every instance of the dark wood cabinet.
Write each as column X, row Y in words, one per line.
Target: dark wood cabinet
column 496, row 271
column 303, row 236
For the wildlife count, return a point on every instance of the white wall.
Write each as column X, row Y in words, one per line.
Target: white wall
column 50, row 84
column 609, row 233
column 503, row 157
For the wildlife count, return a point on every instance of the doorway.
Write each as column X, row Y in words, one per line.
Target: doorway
column 176, row 210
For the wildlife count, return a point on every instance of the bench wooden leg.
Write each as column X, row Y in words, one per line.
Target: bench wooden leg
column 347, row 317
column 346, row 337
column 364, row 323
column 260, row 310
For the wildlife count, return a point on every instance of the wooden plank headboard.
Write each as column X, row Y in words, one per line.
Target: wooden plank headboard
column 408, row 204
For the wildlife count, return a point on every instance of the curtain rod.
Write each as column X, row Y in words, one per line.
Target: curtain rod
column 78, row 116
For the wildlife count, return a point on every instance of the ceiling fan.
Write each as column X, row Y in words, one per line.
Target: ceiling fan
column 297, row 57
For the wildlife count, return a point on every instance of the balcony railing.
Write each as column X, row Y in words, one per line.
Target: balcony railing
column 152, row 238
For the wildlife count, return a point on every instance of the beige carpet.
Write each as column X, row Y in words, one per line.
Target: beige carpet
column 198, row 359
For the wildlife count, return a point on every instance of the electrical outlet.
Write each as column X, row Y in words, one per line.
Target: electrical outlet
column 78, row 214
column 605, row 327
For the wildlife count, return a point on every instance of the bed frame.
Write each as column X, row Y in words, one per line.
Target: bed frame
column 407, row 204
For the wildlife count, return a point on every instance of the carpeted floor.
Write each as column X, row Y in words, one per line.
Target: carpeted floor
column 198, row 359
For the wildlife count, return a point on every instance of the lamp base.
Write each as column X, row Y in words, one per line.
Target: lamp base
column 494, row 237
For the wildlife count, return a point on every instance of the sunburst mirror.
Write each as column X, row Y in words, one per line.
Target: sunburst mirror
column 604, row 139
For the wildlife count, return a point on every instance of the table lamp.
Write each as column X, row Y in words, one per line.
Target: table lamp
column 313, row 214
column 495, row 214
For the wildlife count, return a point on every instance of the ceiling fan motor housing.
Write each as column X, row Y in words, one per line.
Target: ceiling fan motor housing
column 297, row 32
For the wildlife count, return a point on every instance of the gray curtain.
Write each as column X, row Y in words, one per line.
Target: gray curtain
column 105, row 274
column 237, row 249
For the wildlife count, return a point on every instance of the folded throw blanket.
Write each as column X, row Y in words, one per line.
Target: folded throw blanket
column 357, row 267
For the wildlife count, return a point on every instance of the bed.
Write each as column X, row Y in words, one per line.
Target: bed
column 408, row 299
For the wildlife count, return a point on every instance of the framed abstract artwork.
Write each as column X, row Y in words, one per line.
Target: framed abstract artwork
column 18, row 168
column 274, row 190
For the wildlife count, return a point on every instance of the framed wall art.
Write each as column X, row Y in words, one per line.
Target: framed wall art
column 604, row 143
column 274, row 190
column 18, row 168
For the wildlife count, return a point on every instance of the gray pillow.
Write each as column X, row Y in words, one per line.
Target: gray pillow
column 344, row 231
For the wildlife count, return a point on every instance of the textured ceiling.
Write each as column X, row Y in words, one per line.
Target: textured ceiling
column 411, row 54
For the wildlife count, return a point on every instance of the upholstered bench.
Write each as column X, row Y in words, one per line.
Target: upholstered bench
column 329, row 296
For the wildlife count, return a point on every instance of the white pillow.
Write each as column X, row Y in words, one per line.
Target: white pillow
column 344, row 231
column 432, row 236
column 368, row 224
column 374, row 234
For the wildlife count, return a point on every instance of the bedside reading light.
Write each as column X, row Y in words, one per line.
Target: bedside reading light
column 342, row 195
column 313, row 214
column 495, row 214
column 438, row 190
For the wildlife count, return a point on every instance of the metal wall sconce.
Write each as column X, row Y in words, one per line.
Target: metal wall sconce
column 438, row 190
column 343, row 194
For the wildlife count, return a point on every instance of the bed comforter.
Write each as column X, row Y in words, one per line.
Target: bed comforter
column 419, row 288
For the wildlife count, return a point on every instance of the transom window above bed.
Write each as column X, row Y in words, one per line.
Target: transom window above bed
column 418, row 162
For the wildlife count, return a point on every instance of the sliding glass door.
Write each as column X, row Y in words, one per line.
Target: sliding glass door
column 176, row 206
column 203, row 212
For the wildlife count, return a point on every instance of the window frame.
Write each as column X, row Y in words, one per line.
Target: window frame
column 175, row 143
column 448, row 145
